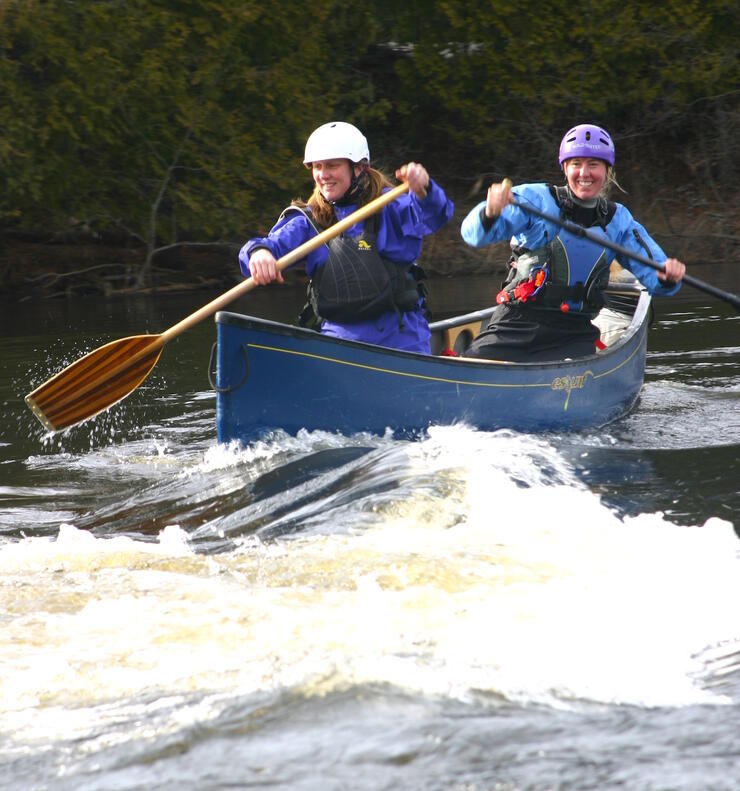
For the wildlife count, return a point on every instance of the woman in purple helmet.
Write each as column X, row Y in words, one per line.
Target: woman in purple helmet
column 556, row 279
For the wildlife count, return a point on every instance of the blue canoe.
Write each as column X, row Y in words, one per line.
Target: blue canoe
column 275, row 376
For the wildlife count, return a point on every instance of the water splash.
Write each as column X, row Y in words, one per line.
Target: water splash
column 469, row 565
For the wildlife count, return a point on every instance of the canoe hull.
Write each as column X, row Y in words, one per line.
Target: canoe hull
column 274, row 376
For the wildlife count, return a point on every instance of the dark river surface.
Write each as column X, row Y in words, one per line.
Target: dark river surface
column 470, row 611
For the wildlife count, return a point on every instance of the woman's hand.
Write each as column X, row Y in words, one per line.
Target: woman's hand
column 416, row 176
column 673, row 272
column 498, row 196
column 262, row 266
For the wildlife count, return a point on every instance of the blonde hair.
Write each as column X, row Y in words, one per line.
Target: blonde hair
column 371, row 184
column 611, row 180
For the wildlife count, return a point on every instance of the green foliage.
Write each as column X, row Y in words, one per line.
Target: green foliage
column 501, row 81
column 113, row 109
column 173, row 120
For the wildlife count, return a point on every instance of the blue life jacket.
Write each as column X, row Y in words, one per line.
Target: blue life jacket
column 570, row 272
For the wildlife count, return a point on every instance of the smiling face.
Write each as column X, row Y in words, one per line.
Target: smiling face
column 333, row 177
column 585, row 177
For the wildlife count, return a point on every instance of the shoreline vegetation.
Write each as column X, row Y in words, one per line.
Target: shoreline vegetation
column 38, row 268
column 142, row 143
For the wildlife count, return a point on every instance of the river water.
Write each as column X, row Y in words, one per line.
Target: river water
column 469, row 611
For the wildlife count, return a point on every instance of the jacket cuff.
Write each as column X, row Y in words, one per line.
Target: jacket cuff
column 257, row 247
column 486, row 222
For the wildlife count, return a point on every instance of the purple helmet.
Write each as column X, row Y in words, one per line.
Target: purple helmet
column 587, row 140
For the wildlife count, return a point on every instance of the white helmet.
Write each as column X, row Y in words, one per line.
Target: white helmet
column 336, row 140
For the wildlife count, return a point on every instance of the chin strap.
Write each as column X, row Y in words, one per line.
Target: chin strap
column 357, row 186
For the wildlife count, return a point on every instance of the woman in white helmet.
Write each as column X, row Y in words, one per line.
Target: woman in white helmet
column 364, row 284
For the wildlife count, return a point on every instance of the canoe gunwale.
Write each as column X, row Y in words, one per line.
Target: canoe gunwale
column 278, row 328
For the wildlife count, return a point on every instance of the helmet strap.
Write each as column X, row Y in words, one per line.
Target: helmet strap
column 357, row 185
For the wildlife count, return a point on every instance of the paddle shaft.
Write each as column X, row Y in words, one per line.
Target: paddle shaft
column 579, row 230
column 484, row 313
column 285, row 261
column 282, row 263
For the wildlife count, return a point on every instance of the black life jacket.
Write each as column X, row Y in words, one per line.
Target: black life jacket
column 569, row 273
column 356, row 283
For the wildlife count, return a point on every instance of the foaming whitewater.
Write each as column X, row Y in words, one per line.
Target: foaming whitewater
column 468, row 565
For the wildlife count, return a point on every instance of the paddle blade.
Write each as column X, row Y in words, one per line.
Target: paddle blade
column 95, row 382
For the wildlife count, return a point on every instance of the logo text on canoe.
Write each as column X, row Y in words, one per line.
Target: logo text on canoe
column 570, row 383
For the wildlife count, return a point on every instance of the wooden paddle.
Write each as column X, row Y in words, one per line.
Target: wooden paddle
column 108, row 374
column 579, row 230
